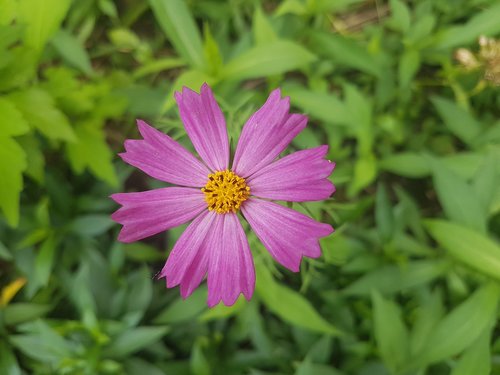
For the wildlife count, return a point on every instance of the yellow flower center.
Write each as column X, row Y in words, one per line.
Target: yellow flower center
column 225, row 192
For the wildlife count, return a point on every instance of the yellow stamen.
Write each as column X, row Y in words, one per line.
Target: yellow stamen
column 225, row 192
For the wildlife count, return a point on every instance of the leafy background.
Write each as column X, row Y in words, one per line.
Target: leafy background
column 407, row 285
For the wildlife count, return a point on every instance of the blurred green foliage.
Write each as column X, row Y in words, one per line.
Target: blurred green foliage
column 408, row 284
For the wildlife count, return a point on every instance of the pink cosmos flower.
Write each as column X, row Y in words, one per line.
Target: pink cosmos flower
column 212, row 192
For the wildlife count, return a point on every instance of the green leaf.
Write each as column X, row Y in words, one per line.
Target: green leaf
column 486, row 181
column 484, row 23
column 8, row 361
column 428, row 314
column 34, row 155
column 263, row 32
column 12, row 122
column 184, row 309
column 290, row 305
column 360, row 108
column 384, row 215
column 468, row 246
column 16, row 313
column 400, row 15
column 44, row 261
column 459, row 121
column 406, row 164
column 91, row 151
column 9, row 10
column 324, row 106
column 178, row 25
column 390, row 332
column 133, row 340
column 73, row 51
column 91, row 225
column 269, row 59
column 42, row 19
column 365, row 171
column 345, row 51
column 391, row 278
column 462, row 327
column 477, row 359
column 408, row 67
column 12, row 165
column 460, row 202
column 42, row 343
column 199, row 363
column 38, row 108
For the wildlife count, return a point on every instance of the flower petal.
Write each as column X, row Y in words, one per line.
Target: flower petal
column 188, row 261
column 149, row 212
column 266, row 133
column 162, row 158
column 205, row 126
column 287, row 234
column 230, row 268
column 298, row 177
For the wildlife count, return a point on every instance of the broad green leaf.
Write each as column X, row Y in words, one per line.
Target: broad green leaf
column 406, row 164
column 91, row 151
column 199, row 363
column 124, row 39
column 263, row 32
column 477, row 359
column 138, row 366
column 277, row 57
column 222, row 311
column 8, row 361
column 178, row 25
column 384, row 214
column 42, row 343
column 408, row 67
column 290, row 305
column 468, row 246
column 484, row 23
column 365, row 171
column 345, row 51
column 400, row 15
column 21, row 312
column 324, row 106
column 462, row 327
column 486, row 181
column 44, row 261
column 429, row 312
column 12, row 122
column 133, row 340
column 38, row 108
column 459, row 121
column 309, row 368
column 391, row 279
column 360, row 108
column 458, row 199
column 184, row 309
column 34, row 156
column 212, row 53
column 42, row 19
column 18, row 68
column 91, row 225
column 158, row 65
column 12, row 165
column 390, row 332
column 9, row 11
column 139, row 251
column 73, row 51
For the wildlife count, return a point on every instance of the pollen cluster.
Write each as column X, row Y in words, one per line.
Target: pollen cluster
column 225, row 192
